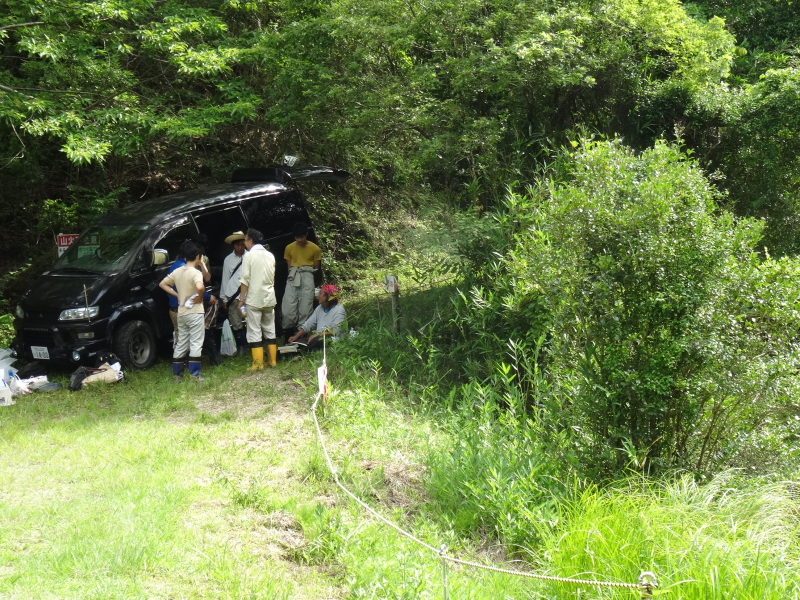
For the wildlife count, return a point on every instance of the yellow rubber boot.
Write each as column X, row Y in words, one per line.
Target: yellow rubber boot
column 258, row 359
column 272, row 353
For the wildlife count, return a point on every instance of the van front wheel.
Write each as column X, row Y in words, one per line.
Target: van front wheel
column 135, row 344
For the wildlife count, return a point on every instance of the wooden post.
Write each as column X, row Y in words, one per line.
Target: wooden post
column 394, row 289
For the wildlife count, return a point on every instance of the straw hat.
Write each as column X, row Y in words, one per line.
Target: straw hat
column 235, row 237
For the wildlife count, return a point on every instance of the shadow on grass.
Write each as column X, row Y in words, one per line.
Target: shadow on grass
column 150, row 394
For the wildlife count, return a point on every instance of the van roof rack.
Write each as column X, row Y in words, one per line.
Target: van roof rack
column 284, row 174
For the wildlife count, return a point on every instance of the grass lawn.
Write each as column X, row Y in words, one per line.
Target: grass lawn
column 151, row 489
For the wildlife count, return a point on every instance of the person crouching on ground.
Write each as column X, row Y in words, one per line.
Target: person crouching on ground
column 325, row 321
column 257, row 295
column 188, row 281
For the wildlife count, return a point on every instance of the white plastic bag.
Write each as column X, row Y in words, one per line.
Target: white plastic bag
column 6, row 360
column 5, row 393
column 17, row 386
column 36, row 382
column 228, row 343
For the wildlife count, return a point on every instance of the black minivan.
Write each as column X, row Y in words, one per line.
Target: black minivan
column 103, row 293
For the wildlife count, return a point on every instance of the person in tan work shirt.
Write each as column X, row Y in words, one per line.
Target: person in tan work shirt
column 188, row 289
column 303, row 259
column 257, row 297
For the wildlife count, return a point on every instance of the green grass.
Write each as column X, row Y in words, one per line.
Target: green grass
column 150, row 489
column 731, row 537
column 139, row 490
column 713, row 541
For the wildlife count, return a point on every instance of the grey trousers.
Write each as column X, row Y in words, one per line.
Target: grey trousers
column 298, row 299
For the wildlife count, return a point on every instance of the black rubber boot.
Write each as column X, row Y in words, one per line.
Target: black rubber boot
column 241, row 342
column 210, row 350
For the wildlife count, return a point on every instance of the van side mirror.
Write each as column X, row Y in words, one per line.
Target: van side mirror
column 159, row 257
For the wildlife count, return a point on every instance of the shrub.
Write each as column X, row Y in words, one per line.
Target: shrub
column 660, row 333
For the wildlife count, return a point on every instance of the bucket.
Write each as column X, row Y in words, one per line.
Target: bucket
column 5, row 394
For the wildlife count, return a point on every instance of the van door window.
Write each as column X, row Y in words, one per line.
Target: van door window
column 173, row 239
column 217, row 226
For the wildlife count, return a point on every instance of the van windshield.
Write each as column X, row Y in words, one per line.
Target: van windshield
column 101, row 249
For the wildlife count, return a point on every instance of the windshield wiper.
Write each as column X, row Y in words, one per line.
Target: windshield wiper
column 73, row 270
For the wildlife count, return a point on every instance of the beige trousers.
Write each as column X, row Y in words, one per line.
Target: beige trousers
column 260, row 324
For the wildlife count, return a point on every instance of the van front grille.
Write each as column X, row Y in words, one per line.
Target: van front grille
column 38, row 337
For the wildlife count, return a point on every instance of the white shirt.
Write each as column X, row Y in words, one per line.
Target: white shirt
column 321, row 320
column 230, row 280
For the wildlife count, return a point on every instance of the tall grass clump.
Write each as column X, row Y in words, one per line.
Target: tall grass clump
column 498, row 478
column 727, row 538
column 704, row 542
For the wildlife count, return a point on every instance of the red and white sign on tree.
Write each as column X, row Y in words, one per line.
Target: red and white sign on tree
column 64, row 241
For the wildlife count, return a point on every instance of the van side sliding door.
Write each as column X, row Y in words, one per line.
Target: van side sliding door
column 170, row 237
column 218, row 224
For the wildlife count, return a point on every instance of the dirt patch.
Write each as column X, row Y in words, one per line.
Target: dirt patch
column 260, row 395
column 402, row 483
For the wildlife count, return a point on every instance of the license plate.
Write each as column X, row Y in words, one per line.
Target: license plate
column 40, row 352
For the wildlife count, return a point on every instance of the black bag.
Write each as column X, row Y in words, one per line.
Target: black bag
column 32, row 369
column 78, row 375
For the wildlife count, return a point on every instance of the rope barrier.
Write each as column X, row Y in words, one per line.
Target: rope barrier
column 646, row 583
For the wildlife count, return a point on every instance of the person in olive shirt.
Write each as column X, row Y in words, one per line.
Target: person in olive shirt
column 188, row 281
column 302, row 258
column 257, row 296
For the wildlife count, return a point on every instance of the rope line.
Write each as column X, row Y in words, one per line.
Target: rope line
column 647, row 580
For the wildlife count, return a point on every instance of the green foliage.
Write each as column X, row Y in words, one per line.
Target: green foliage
column 668, row 528
column 759, row 156
column 619, row 304
column 713, row 540
column 456, row 84
column 500, row 476
column 7, row 281
column 326, row 535
column 97, row 70
column 759, row 25
column 82, row 206
column 6, row 330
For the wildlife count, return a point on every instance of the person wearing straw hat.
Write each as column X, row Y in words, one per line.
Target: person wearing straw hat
column 326, row 320
column 229, row 290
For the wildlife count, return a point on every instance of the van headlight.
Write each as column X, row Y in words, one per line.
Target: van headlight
column 19, row 312
column 76, row 314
